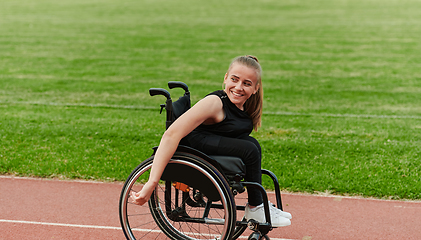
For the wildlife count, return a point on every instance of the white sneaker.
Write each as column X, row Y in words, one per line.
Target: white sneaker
column 283, row 214
column 278, row 218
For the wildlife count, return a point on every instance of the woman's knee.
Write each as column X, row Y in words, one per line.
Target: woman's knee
column 252, row 154
column 254, row 141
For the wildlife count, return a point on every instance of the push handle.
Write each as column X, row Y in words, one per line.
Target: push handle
column 167, row 105
column 173, row 84
column 159, row 91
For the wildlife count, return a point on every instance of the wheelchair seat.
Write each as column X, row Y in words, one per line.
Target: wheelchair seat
column 231, row 166
column 234, row 170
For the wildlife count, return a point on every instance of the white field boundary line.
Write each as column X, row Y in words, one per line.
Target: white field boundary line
column 95, row 227
column 343, row 115
column 100, row 105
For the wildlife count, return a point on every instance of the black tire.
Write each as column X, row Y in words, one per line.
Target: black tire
column 179, row 214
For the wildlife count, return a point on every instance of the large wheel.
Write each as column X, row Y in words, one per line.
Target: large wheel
column 193, row 201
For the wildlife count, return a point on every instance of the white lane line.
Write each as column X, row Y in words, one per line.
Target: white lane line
column 75, row 225
column 95, row 227
column 60, row 224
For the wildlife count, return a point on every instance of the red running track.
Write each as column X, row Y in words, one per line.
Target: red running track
column 53, row 209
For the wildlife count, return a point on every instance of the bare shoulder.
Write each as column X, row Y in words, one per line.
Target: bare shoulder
column 211, row 108
column 206, row 110
column 210, row 102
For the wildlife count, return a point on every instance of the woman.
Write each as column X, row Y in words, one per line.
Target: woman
column 220, row 124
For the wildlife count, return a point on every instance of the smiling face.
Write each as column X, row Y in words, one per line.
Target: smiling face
column 240, row 83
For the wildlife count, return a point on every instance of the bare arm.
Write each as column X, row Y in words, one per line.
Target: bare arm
column 206, row 110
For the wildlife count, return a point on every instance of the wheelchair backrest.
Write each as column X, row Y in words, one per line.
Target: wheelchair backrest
column 181, row 106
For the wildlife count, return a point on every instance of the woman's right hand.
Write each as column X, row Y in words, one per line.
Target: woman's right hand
column 143, row 196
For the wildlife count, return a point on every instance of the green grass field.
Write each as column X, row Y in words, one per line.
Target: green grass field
column 341, row 80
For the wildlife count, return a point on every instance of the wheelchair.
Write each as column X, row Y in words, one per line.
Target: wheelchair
column 195, row 198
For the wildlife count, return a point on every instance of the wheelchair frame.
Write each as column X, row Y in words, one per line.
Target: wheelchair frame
column 180, row 196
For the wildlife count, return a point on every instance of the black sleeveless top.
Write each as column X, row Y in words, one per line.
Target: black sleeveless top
column 236, row 124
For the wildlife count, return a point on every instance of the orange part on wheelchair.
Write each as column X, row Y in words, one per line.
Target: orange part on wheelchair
column 181, row 186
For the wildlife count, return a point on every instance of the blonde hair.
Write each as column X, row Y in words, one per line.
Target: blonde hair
column 254, row 105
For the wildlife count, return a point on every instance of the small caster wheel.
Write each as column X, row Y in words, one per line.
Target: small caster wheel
column 254, row 236
column 258, row 236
